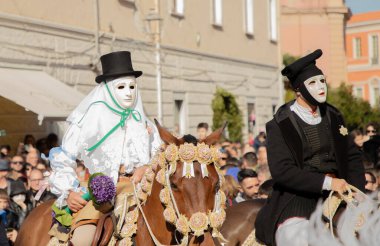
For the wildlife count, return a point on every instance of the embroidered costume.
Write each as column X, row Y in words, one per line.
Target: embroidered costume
column 304, row 146
column 108, row 130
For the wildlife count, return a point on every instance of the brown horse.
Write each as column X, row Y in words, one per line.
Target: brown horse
column 192, row 195
column 240, row 221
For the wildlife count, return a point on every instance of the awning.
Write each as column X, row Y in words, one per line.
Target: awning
column 39, row 92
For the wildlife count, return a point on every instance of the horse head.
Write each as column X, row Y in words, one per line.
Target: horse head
column 191, row 185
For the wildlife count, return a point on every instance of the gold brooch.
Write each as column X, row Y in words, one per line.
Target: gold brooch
column 343, row 130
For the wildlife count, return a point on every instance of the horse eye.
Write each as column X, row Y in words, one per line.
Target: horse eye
column 120, row 87
column 173, row 186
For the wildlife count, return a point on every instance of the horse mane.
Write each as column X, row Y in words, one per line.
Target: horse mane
column 190, row 139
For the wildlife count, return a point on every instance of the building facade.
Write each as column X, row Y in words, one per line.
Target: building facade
column 363, row 41
column 202, row 45
column 309, row 25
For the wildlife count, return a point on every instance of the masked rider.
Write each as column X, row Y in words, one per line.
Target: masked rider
column 309, row 152
column 108, row 130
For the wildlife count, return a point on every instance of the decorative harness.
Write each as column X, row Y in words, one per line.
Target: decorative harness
column 199, row 222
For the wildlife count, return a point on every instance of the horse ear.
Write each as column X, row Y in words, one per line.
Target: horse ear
column 214, row 137
column 165, row 135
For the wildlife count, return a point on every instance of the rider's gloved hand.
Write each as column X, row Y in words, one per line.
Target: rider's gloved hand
column 138, row 174
column 75, row 201
column 339, row 185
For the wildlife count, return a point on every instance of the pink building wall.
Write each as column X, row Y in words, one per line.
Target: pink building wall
column 307, row 25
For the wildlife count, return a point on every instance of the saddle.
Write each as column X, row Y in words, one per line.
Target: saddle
column 104, row 230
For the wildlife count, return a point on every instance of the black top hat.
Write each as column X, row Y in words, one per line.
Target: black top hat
column 116, row 64
column 302, row 69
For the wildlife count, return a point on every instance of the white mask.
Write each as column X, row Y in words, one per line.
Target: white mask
column 317, row 88
column 19, row 198
column 124, row 90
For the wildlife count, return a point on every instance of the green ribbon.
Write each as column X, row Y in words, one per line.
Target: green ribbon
column 124, row 115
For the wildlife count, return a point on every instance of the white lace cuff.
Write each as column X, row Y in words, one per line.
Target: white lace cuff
column 327, row 183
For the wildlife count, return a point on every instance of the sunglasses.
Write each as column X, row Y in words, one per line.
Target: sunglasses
column 17, row 162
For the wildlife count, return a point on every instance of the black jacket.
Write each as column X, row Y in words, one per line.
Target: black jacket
column 285, row 159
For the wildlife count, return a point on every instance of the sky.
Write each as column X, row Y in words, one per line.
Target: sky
column 362, row 6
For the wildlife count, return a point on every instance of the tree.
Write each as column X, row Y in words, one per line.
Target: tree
column 226, row 108
column 356, row 112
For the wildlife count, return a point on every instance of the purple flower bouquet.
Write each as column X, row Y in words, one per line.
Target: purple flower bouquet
column 101, row 190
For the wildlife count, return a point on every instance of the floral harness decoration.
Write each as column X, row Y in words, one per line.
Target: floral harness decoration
column 167, row 160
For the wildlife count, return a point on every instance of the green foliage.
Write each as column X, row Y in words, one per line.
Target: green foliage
column 288, row 59
column 226, row 108
column 356, row 112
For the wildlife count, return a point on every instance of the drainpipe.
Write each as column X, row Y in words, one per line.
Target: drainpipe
column 96, row 34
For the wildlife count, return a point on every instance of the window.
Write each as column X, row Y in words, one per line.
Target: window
column 357, row 47
column 179, row 117
column 374, row 50
column 376, row 97
column 375, row 93
column 217, row 13
column 358, row 92
column 179, row 7
column 273, row 20
column 249, row 17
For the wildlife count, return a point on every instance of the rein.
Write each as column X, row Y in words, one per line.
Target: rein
column 334, row 200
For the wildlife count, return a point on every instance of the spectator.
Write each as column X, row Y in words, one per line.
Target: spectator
column 52, row 141
column 249, row 161
column 28, row 169
column 17, row 169
column 42, row 166
column 9, row 220
column 19, row 204
column 230, row 187
column 32, row 157
column 42, row 147
column 370, row 182
column 262, row 158
column 248, row 148
column 263, row 173
column 358, row 137
column 266, row 189
column 202, row 130
column 260, row 140
column 249, row 184
column 5, row 182
column 5, row 150
column 223, row 158
column 35, row 182
column 251, row 139
column 370, row 131
column 372, row 146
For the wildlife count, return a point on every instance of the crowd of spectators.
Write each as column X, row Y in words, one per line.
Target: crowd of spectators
column 23, row 182
column 24, row 172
